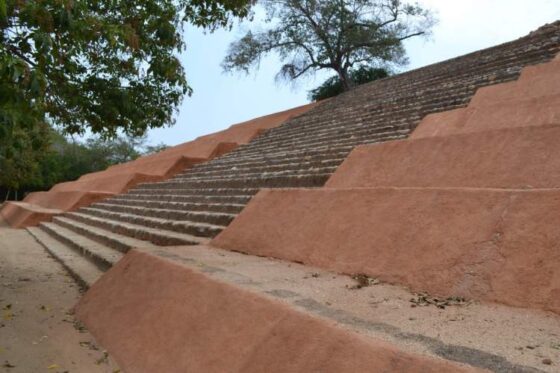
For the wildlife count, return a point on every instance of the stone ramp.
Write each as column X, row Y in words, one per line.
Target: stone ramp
column 203, row 309
column 117, row 179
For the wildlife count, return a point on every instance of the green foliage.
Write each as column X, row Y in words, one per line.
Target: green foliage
column 213, row 14
column 102, row 66
column 311, row 35
column 333, row 86
column 152, row 149
column 65, row 159
column 20, row 155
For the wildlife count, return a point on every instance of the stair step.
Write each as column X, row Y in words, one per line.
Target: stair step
column 215, row 218
column 81, row 269
column 156, row 236
column 245, row 192
column 182, row 226
column 241, row 170
column 99, row 254
column 237, row 174
column 231, row 208
column 103, row 236
column 316, row 180
column 231, row 161
column 176, row 195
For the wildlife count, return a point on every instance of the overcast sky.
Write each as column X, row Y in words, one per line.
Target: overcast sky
column 220, row 100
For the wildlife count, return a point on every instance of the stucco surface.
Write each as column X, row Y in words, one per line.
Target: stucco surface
column 155, row 315
column 22, row 214
column 525, row 157
column 493, row 245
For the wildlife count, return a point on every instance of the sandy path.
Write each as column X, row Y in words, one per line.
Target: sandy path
column 38, row 333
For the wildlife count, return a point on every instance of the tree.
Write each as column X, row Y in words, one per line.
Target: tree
column 65, row 159
column 21, row 154
column 98, row 65
column 102, row 66
column 153, row 149
column 339, row 35
column 333, row 86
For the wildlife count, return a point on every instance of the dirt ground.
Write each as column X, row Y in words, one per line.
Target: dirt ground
column 38, row 332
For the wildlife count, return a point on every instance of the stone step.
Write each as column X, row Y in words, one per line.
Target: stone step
column 216, row 218
column 241, row 174
column 157, row 236
column 266, row 159
column 377, row 119
column 345, row 144
column 302, row 165
column 286, row 151
column 202, row 192
column 231, row 208
column 176, row 195
column 341, row 141
column 322, row 135
column 260, row 182
column 103, row 236
column 190, row 228
column 81, row 269
column 284, row 155
column 101, row 255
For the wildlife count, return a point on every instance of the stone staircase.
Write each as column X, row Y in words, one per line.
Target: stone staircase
column 197, row 204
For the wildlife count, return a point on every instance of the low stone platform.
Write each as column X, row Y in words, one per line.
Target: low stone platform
column 203, row 309
column 523, row 158
column 486, row 244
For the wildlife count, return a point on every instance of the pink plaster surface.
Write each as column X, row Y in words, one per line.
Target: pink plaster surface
column 492, row 245
column 65, row 200
column 524, row 157
column 22, row 214
column 155, row 315
column 116, row 179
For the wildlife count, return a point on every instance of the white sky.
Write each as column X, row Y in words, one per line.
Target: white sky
column 220, row 100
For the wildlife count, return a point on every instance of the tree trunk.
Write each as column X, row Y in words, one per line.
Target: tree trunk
column 7, row 195
column 345, row 80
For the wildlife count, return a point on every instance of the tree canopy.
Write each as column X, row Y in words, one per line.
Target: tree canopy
column 66, row 159
column 100, row 66
column 337, row 35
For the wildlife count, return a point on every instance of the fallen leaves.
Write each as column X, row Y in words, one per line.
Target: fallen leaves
column 363, row 280
column 7, row 315
column 8, row 365
column 424, row 299
column 103, row 359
